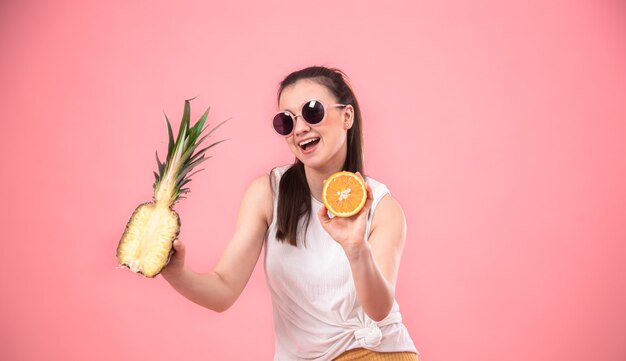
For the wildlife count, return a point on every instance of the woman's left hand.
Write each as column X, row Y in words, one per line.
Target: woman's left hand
column 349, row 232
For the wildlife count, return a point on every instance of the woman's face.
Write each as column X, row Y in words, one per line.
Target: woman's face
column 324, row 145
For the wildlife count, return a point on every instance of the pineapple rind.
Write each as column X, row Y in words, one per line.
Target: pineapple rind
column 146, row 245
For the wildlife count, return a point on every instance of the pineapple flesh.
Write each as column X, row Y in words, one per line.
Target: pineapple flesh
column 146, row 245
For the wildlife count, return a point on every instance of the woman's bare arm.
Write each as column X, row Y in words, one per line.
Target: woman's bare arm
column 217, row 290
column 374, row 260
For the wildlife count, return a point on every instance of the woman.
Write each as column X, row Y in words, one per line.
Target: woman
column 332, row 280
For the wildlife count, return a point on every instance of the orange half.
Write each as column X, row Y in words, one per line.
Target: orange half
column 344, row 194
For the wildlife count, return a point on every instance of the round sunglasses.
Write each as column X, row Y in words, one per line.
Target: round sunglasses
column 312, row 112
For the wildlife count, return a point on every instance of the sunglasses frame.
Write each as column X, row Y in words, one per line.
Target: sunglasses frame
column 294, row 117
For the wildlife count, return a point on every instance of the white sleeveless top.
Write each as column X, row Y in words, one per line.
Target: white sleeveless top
column 316, row 312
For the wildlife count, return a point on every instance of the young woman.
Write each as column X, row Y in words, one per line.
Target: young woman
column 332, row 280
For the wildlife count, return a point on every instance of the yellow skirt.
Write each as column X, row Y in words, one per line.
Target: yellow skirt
column 361, row 354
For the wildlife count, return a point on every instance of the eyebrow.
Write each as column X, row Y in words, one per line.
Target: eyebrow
column 290, row 111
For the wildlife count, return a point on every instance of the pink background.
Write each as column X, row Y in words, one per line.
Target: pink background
column 499, row 127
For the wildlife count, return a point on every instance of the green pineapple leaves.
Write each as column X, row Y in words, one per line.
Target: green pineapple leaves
column 181, row 159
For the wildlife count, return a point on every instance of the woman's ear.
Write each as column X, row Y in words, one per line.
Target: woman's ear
column 348, row 117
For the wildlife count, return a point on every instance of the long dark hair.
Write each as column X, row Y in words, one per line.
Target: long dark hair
column 294, row 195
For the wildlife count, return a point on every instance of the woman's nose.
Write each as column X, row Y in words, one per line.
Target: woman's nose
column 300, row 126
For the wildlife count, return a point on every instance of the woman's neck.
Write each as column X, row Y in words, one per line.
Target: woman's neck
column 315, row 177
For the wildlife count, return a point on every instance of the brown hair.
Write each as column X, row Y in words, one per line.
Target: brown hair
column 294, row 195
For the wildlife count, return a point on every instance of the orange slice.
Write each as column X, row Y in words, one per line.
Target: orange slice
column 344, row 194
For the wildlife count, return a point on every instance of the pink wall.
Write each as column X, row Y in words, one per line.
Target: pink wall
column 499, row 128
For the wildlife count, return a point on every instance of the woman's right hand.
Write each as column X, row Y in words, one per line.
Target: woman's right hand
column 177, row 262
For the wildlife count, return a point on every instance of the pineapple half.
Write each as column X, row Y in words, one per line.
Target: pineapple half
column 146, row 245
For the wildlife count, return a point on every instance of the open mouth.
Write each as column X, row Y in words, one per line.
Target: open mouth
column 308, row 143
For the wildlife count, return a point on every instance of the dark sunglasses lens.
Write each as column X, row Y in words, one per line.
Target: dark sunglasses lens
column 313, row 112
column 283, row 123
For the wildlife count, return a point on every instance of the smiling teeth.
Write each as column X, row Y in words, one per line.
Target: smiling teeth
column 307, row 141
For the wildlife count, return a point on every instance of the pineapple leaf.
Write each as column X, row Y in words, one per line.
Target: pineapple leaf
column 156, row 177
column 187, row 114
column 161, row 165
column 184, row 181
column 184, row 124
column 197, row 128
column 177, row 153
column 194, row 146
column 170, row 143
column 217, row 126
column 189, row 167
column 196, row 172
column 195, row 156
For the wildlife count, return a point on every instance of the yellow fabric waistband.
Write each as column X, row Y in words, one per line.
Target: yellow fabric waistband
column 361, row 354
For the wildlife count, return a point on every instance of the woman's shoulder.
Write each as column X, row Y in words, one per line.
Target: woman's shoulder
column 265, row 180
column 373, row 181
column 258, row 197
column 385, row 210
column 259, row 189
column 278, row 171
column 379, row 189
column 276, row 174
column 266, row 184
